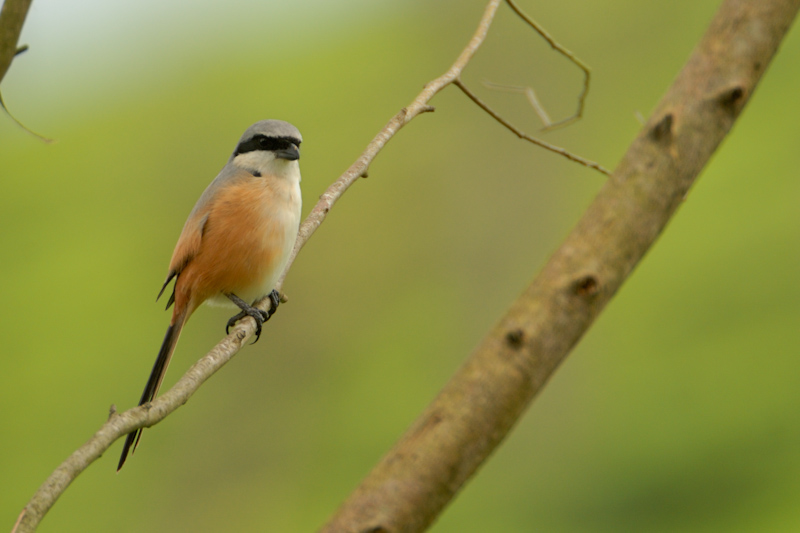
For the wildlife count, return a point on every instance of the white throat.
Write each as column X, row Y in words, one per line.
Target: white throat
column 266, row 164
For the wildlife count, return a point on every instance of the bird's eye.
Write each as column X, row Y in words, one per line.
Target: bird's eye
column 264, row 142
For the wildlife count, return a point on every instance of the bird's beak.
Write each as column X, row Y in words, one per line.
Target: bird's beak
column 290, row 154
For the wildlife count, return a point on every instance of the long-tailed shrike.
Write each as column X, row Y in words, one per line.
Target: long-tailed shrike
column 236, row 241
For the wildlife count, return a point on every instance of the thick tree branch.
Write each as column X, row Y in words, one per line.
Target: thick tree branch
column 12, row 17
column 411, row 485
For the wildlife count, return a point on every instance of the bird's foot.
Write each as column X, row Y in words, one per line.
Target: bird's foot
column 257, row 314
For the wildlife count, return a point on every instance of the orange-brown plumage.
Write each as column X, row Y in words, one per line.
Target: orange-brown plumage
column 240, row 244
column 236, row 240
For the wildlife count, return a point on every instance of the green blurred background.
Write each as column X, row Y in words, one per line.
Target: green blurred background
column 679, row 411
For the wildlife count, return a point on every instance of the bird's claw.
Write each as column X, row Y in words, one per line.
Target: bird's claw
column 257, row 314
column 274, row 301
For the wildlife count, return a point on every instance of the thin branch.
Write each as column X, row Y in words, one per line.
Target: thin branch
column 566, row 53
column 119, row 425
column 419, row 105
column 23, row 126
column 522, row 135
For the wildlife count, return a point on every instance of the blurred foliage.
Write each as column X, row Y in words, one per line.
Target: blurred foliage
column 680, row 411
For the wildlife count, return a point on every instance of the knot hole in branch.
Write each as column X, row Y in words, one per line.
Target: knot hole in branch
column 515, row 338
column 376, row 529
column 662, row 131
column 732, row 99
column 586, row 286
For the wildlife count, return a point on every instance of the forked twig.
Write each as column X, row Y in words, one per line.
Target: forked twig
column 530, row 94
column 566, row 53
column 420, row 105
column 522, row 135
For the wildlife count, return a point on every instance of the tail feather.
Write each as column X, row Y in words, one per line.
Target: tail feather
column 154, row 382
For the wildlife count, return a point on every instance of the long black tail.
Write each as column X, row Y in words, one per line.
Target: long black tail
column 154, row 382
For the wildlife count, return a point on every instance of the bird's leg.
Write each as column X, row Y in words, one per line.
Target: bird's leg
column 248, row 310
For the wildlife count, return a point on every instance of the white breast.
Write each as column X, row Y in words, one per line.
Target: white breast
column 286, row 214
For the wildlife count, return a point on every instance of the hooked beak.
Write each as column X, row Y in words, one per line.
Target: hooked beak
column 290, row 154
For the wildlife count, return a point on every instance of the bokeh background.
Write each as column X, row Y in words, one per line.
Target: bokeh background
column 679, row 411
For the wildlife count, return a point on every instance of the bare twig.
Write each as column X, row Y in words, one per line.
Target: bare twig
column 17, row 523
column 23, row 126
column 530, row 94
column 522, row 135
column 120, row 424
column 419, row 105
column 566, row 53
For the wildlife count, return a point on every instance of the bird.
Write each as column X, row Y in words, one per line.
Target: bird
column 236, row 241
